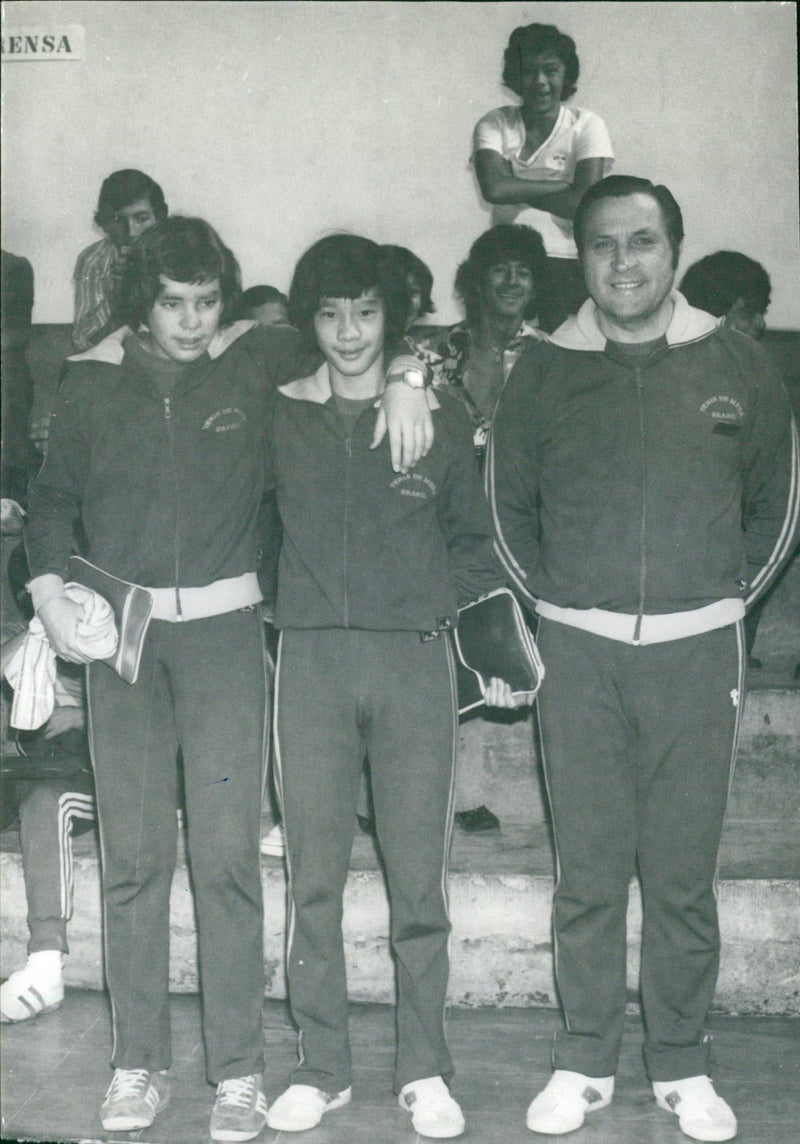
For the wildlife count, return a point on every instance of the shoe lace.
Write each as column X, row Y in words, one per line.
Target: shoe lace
column 238, row 1091
column 129, row 1082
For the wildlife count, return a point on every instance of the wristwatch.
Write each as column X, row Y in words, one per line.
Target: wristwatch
column 412, row 372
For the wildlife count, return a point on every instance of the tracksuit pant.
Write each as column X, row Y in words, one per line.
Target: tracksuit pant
column 638, row 746
column 202, row 687
column 341, row 694
column 49, row 811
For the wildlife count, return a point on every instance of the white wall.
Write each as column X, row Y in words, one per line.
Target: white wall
column 279, row 121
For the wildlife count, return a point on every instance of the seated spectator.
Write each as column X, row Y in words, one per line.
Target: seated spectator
column 534, row 162
column 266, row 305
column 47, row 785
column 732, row 286
column 501, row 284
column 418, row 279
column 130, row 203
column 16, row 383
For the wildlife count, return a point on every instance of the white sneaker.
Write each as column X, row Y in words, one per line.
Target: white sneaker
column 702, row 1114
column 302, row 1107
column 562, row 1104
column 433, row 1111
column 274, row 842
column 34, row 989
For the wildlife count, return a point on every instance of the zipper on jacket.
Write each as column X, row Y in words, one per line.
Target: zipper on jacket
column 348, row 452
column 643, row 524
column 170, row 432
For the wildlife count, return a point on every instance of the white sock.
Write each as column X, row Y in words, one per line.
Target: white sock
column 47, row 964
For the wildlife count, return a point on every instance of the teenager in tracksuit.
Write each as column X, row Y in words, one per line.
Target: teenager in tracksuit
column 643, row 475
column 372, row 570
column 157, row 444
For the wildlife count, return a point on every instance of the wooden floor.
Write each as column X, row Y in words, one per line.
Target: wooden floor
column 55, row 1071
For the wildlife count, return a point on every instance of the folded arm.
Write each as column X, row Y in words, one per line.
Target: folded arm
column 500, row 185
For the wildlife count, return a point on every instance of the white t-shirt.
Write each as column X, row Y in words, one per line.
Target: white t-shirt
column 577, row 134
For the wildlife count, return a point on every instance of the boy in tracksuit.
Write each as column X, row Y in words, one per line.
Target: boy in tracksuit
column 372, row 570
column 643, row 474
column 157, row 445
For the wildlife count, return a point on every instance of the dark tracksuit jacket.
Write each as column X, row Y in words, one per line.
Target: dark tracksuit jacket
column 640, row 502
column 371, row 562
column 164, row 464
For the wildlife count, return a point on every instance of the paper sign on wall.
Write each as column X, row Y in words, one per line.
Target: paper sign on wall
column 59, row 42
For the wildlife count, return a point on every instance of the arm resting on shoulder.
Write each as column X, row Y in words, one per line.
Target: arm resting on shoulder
column 405, row 413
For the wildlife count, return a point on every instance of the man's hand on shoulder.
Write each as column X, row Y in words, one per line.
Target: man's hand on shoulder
column 405, row 413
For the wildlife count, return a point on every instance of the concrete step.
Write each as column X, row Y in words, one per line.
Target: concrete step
column 501, row 887
column 501, row 947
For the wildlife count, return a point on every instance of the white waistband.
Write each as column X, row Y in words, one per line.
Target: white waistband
column 621, row 626
column 211, row 600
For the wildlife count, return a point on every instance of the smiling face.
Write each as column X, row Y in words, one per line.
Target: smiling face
column 541, row 82
column 629, row 268
column 507, row 290
column 185, row 318
column 129, row 222
column 350, row 333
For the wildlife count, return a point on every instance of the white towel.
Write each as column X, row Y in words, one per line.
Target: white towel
column 32, row 671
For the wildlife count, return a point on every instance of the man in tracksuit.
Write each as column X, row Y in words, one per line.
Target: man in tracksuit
column 157, row 446
column 644, row 484
column 373, row 568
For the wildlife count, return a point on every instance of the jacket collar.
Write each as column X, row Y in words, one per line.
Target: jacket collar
column 111, row 349
column 581, row 331
column 315, row 388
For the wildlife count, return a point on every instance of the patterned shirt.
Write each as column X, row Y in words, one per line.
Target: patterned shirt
column 97, row 275
column 448, row 354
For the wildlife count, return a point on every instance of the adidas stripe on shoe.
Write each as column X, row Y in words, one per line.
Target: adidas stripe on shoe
column 134, row 1099
column 240, row 1109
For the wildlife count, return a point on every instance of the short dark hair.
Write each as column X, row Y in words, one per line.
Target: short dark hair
column 534, row 39
column 506, row 242
column 620, row 187
column 346, row 266
column 184, row 250
column 121, row 188
column 719, row 280
column 262, row 296
column 412, row 266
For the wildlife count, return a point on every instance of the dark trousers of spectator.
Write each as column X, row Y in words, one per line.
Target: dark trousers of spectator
column 341, row 693
column 50, row 811
column 638, row 746
column 202, row 687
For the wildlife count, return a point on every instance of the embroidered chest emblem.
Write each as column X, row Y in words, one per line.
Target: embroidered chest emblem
column 414, row 485
column 225, row 420
column 722, row 408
